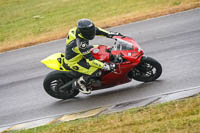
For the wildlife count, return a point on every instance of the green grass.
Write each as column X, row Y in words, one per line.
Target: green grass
column 181, row 116
column 32, row 21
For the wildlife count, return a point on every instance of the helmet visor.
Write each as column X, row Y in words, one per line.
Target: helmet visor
column 88, row 33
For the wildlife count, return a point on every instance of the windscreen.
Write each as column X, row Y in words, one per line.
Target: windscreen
column 122, row 45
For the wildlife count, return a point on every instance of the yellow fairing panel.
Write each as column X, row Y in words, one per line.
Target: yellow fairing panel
column 52, row 62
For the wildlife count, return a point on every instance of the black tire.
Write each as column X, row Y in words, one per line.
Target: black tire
column 52, row 83
column 147, row 70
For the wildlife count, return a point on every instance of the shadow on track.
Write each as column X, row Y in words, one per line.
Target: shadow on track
column 111, row 93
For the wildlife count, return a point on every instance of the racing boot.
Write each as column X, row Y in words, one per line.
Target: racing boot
column 82, row 86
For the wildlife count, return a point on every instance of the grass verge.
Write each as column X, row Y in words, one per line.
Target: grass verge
column 182, row 116
column 28, row 22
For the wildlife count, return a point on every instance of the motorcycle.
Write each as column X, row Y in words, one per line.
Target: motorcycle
column 127, row 57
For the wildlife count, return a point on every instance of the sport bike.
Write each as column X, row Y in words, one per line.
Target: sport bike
column 126, row 57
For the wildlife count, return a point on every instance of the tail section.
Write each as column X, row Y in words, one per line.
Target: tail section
column 55, row 62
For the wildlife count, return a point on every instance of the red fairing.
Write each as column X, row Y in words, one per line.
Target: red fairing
column 100, row 53
column 131, row 53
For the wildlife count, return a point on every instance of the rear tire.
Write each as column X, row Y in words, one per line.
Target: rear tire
column 52, row 83
column 147, row 70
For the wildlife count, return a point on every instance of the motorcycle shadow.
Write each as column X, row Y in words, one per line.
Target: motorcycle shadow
column 114, row 94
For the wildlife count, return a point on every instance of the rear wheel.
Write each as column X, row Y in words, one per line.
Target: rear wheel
column 52, row 85
column 147, row 70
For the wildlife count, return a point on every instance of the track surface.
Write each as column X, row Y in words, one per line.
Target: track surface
column 173, row 40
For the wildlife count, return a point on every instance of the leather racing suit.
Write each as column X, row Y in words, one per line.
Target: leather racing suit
column 77, row 53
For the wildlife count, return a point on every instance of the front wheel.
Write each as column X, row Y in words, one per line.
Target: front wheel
column 147, row 70
column 53, row 82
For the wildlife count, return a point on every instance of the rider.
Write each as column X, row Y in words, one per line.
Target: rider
column 77, row 54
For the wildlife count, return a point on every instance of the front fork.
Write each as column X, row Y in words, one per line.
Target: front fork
column 138, row 68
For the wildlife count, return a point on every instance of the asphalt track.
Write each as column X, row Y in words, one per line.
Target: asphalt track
column 173, row 40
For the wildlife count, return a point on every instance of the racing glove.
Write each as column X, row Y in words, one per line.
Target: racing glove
column 111, row 34
column 106, row 67
column 109, row 67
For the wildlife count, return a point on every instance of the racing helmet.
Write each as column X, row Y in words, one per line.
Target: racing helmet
column 87, row 28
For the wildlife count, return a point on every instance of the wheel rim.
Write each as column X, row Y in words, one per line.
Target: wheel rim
column 55, row 86
column 145, row 70
column 150, row 70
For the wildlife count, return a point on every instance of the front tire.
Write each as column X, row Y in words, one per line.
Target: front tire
column 147, row 70
column 52, row 83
